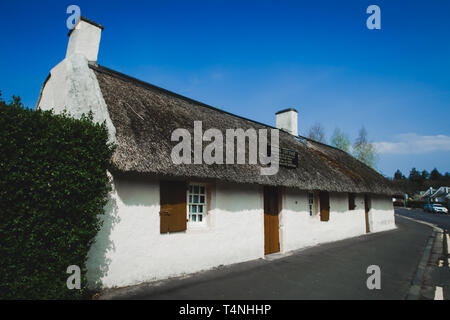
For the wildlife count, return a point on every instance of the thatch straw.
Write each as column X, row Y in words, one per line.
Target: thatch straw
column 145, row 116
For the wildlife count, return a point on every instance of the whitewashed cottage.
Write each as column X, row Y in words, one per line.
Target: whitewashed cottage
column 165, row 220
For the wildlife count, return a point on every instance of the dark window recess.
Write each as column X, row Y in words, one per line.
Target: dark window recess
column 351, row 201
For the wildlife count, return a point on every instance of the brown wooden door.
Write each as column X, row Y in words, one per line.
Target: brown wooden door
column 172, row 213
column 324, row 206
column 271, row 223
column 366, row 212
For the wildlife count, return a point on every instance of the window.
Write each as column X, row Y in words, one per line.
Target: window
column 197, row 203
column 311, row 203
column 351, row 201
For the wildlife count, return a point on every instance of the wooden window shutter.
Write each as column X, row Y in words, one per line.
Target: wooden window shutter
column 173, row 206
column 324, row 206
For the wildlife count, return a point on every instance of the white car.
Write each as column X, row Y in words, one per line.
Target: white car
column 437, row 208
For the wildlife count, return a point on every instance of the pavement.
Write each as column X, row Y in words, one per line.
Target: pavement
column 336, row 270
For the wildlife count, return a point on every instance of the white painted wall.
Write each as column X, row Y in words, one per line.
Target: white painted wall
column 302, row 230
column 129, row 248
column 85, row 40
column 381, row 214
column 73, row 87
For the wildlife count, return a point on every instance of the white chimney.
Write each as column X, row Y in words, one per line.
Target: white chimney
column 84, row 39
column 287, row 120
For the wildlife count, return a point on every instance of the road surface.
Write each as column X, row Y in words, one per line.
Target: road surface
column 441, row 220
column 436, row 281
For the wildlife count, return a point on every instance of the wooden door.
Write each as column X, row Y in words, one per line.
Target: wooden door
column 324, row 206
column 271, row 223
column 172, row 213
column 366, row 212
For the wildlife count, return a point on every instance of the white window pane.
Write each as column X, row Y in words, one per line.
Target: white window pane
column 200, row 218
column 194, row 209
column 190, row 189
column 200, row 209
column 195, row 189
column 195, row 200
column 194, row 218
column 202, row 199
column 190, row 199
column 202, row 190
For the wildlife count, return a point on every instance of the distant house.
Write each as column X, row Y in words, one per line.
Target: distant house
column 440, row 194
column 165, row 219
column 426, row 194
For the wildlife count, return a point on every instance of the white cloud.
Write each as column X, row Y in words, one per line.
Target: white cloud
column 412, row 143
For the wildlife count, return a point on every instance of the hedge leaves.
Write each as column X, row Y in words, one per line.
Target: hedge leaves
column 53, row 186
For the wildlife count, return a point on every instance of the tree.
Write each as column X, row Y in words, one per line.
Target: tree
column 416, row 181
column 398, row 175
column 365, row 151
column 415, row 176
column 317, row 133
column 435, row 175
column 15, row 102
column 425, row 175
column 340, row 140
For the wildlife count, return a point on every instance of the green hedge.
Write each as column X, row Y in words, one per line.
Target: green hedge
column 416, row 203
column 53, row 186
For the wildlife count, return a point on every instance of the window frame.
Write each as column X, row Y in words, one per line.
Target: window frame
column 312, row 205
column 204, row 204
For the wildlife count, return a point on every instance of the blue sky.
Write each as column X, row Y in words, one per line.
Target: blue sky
column 254, row 58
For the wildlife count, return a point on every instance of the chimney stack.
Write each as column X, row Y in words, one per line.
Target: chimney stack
column 287, row 120
column 84, row 39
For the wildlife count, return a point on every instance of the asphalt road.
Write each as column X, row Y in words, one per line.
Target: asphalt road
column 441, row 220
column 437, row 274
column 330, row 271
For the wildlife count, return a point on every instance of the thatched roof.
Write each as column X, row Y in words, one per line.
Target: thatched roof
column 145, row 116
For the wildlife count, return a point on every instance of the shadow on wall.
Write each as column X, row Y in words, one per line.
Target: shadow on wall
column 126, row 193
column 136, row 192
column 98, row 261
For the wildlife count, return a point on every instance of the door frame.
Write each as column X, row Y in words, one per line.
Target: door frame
column 366, row 211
